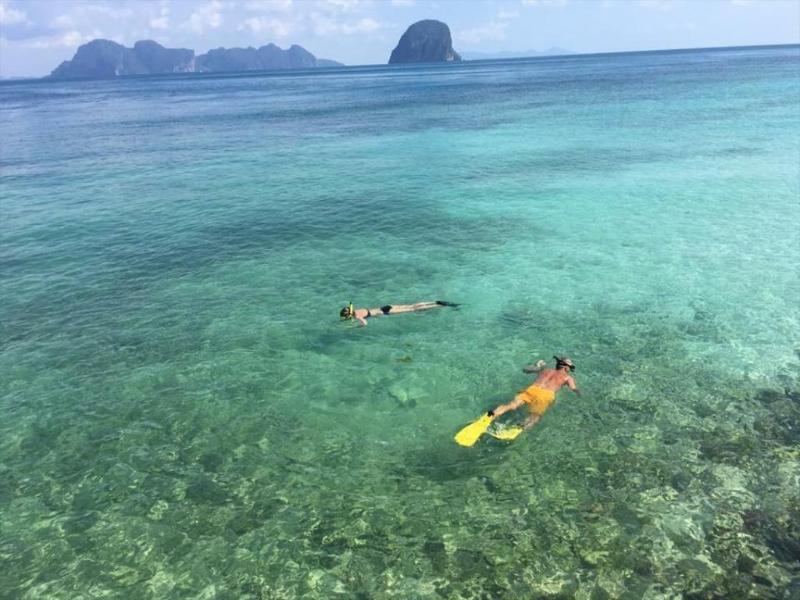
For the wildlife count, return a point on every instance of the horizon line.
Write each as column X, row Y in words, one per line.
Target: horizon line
column 571, row 54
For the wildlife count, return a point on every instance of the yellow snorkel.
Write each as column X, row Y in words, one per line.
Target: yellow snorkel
column 347, row 314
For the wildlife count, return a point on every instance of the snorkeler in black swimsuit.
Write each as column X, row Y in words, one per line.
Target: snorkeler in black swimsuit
column 362, row 314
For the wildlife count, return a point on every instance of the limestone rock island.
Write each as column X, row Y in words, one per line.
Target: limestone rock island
column 425, row 41
column 101, row 59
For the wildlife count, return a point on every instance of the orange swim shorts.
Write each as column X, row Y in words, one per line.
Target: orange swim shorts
column 539, row 399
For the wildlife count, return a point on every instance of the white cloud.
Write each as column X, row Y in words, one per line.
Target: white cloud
column 544, row 2
column 403, row 2
column 742, row 2
column 69, row 39
column 507, row 15
column 63, row 22
column 493, row 31
column 274, row 27
column 162, row 20
column 114, row 13
column 327, row 26
column 11, row 16
column 80, row 15
column 345, row 5
column 208, row 16
column 268, row 5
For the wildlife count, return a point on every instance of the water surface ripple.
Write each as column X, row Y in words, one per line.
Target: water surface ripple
column 183, row 416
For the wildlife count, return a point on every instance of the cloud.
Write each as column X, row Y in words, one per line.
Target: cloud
column 81, row 16
column 63, row 22
column 403, row 2
column 327, row 26
column 208, row 16
column 69, row 39
column 268, row 5
column 11, row 16
column 507, row 15
column 493, row 31
column 279, row 29
column 109, row 11
column 742, row 2
column 544, row 2
column 161, row 21
column 345, row 5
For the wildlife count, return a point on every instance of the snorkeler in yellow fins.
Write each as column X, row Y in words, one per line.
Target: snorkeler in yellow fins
column 539, row 397
column 349, row 312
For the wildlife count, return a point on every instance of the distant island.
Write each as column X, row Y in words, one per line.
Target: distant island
column 516, row 54
column 424, row 42
column 103, row 59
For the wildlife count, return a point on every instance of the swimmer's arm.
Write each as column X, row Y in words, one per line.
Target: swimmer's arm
column 361, row 320
column 534, row 368
column 571, row 385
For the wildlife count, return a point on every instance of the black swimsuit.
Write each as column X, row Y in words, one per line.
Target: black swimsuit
column 384, row 309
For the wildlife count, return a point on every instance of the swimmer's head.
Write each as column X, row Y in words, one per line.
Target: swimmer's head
column 563, row 361
column 348, row 312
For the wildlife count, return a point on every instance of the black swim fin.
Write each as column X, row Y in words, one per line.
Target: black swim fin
column 445, row 303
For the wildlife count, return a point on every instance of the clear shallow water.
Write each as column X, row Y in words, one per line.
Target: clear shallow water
column 184, row 416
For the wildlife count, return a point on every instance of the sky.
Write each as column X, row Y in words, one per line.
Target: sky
column 36, row 35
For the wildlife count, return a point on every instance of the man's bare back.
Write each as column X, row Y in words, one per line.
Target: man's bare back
column 554, row 380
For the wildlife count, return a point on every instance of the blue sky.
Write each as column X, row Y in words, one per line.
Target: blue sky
column 36, row 35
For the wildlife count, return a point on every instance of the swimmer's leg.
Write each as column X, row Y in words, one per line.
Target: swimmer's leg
column 532, row 420
column 395, row 309
column 403, row 308
column 434, row 304
column 424, row 305
column 504, row 408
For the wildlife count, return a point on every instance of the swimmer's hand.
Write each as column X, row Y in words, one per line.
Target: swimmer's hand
column 571, row 385
column 534, row 368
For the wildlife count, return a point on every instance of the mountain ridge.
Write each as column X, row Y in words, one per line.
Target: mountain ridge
column 105, row 59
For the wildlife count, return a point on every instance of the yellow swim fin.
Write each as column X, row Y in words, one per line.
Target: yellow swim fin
column 506, row 434
column 470, row 434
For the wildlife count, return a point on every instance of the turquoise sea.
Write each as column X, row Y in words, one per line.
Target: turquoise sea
column 183, row 415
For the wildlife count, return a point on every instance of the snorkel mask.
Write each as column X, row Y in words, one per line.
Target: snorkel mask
column 563, row 361
column 347, row 313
